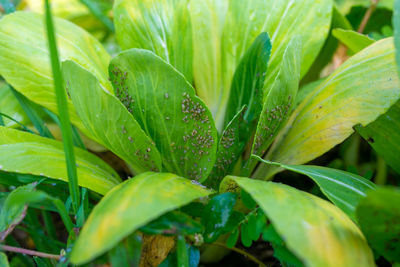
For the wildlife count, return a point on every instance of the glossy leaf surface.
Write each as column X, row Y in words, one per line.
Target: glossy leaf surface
column 316, row 231
column 360, row 90
column 344, row 189
column 224, row 30
column 166, row 107
column 106, row 118
column 162, row 27
column 379, row 216
column 27, row 153
column 25, row 61
column 123, row 210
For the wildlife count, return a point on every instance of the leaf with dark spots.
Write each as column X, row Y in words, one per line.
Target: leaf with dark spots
column 378, row 215
column 384, row 136
column 108, row 121
column 168, row 110
column 173, row 223
column 229, row 150
column 216, row 215
column 248, row 82
column 278, row 101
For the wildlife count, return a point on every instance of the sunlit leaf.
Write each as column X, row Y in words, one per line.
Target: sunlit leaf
column 23, row 152
column 25, row 61
column 224, row 30
column 360, row 90
column 161, row 26
column 316, row 231
column 353, row 40
column 166, row 107
column 106, row 118
column 346, row 5
column 344, row 189
column 379, row 215
column 9, row 105
column 396, row 26
column 123, row 210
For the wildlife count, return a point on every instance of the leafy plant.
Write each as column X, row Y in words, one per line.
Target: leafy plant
column 203, row 106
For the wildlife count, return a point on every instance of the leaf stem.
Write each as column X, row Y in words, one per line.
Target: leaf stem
column 29, row 252
column 367, row 15
column 244, row 253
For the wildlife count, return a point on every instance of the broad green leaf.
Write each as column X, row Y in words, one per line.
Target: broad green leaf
column 316, row 231
column 353, row 40
column 9, row 105
column 4, row 260
column 106, row 118
column 166, row 107
column 344, row 189
column 216, row 215
column 305, row 90
column 248, row 82
column 224, row 30
column 384, row 136
column 360, row 90
column 230, row 147
column 22, row 152
column 127, row 252
column 129, row 206
column 378, row 215
column 25, row 60
column 161, row 26
column 279, row 101
column 396, row 26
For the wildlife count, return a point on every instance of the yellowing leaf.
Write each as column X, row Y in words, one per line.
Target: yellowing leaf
column 363, row 88
column 25, row 60
column 129, row 206
column 27, row 153
column 316, row 231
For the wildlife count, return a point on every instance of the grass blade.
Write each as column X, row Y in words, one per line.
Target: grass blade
column 63, row 111
column 32, row 114
column 95, row 10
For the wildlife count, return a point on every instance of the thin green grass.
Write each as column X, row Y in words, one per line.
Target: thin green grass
column 63, row 111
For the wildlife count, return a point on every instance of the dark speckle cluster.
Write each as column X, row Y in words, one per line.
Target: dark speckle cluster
column 121, row 89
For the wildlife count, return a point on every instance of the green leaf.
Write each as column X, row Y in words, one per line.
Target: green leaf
column 4, row 260
column 25, row 60
column 313, row 229
column 233, row 238
column 9, row 105
column 23, row 152
column 384, row 136
column 127, row 252
column 129, row 206
column 230, row 147
column 166, row 107
column 162, row 27
column 182, row 254
column 353, row 40
column 396, row 26
column 344, row 189
column 379, row 216
column 224, row 30
column 360, row 90
column 278, row 103
column 216, row 215
column 248, row 81
column 106, row 118
column 346, row 5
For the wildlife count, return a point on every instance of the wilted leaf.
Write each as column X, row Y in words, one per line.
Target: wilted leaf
column 317, row 232
column 27, row 153
column 166, row 107
column 123, row 210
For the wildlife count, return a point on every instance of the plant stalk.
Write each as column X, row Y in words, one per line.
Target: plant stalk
column 29, row 252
